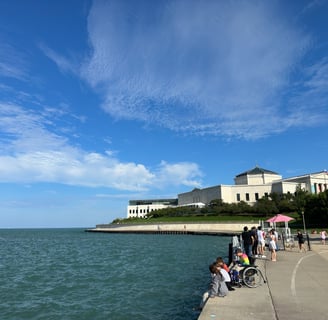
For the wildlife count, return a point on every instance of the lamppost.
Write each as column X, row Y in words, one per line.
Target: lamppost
column 303, row 222
column 306, row 235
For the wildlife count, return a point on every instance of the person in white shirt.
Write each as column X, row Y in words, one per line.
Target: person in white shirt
column 261, row 241
column 323, row 235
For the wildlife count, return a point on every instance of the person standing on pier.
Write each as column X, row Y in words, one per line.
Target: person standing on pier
column 323, row 235
column 261, row 241
column 255, row 241
column 300, row 239
column 273, row 246
column 248, row 241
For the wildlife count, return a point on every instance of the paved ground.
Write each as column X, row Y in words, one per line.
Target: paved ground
column 296, row 289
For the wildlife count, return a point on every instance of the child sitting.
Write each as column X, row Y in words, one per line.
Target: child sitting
column 218, row 286
column 225, row 272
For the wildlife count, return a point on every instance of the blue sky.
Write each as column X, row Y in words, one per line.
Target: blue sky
column 106, row 101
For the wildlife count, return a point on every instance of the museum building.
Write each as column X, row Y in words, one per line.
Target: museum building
column 249, row 186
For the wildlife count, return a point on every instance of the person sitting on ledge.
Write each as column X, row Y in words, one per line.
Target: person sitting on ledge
column 218, row 285
column 225, row 272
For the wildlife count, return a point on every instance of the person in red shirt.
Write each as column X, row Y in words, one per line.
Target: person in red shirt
column 220, row 262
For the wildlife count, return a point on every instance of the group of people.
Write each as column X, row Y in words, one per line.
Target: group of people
column 254, row 242
column 225, row 278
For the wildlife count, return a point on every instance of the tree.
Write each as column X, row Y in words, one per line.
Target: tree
column 286, row 205
column 216, row 203
column 300, row 199
column 316, row 208
column 266, row 207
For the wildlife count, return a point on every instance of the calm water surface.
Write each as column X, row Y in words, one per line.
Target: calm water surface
column 71, row 274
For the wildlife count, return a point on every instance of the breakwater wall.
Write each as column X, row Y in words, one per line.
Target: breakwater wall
column 175, row 228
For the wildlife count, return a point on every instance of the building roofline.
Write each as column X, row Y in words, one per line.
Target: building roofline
column 257, row 170
column 306, row 175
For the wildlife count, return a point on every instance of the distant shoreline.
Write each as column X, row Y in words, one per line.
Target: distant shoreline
column 174, row 228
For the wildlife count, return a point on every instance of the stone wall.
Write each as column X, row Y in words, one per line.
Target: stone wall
column 175, row 227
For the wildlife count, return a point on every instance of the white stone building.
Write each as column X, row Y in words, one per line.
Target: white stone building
column 249, row 186
column 254, row 184
column 139, row 208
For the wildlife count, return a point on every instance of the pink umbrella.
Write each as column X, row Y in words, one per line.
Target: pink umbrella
column 280, row 218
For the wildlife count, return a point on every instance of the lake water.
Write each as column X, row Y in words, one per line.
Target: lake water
column 72, row 274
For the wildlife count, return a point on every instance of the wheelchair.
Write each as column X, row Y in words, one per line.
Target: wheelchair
column 251, row 276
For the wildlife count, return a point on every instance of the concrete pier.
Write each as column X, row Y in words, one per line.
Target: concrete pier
column 296, row 289
column 175, row 228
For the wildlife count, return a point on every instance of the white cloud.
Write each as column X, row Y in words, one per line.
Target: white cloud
column 199, row 67
column 313, row 4
column 12, row 63
column 64, row 64
column 309, row 105
column 185, row 173
column 31, row 152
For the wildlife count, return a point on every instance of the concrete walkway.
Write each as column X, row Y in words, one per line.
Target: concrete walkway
column 296, row 289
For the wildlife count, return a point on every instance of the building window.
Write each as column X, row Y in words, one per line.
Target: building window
column 238, row 196
column 247, row 196
column 266, row 195
column 256, row 196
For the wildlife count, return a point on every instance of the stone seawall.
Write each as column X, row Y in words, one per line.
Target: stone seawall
column 188, row 228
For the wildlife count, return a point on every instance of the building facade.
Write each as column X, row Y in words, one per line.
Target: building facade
column 139, row 208
column 249, row 186
column 253, row 184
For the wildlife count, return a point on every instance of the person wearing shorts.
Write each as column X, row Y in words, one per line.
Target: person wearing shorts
column 272, row 246
column 261, row 241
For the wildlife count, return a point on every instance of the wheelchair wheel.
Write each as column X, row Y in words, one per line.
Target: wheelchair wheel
column 252, row 277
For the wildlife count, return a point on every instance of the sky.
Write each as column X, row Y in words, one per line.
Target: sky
column 102, row 102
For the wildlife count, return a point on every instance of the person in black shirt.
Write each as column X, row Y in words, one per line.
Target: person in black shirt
column 248, row 241
column 300, row 239
column 255, row 241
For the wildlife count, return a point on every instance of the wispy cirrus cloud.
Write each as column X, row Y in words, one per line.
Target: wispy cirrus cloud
column 308, row 104
column 64, row 64
column 32, row 150
column 219, row 68
column 12, row 63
